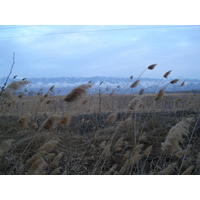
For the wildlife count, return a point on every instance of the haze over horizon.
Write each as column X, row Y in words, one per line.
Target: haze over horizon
column 100, row 50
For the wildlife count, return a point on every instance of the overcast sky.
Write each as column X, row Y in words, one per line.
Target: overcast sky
column 88, row 50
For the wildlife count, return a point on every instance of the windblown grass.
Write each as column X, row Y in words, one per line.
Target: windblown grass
column 104, row 134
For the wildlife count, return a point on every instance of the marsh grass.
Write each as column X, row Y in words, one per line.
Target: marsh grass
column 104, row 134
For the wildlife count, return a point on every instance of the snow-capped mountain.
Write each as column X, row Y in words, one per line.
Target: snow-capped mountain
column 119, row 85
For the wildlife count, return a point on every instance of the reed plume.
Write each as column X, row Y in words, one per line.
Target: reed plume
column 183, row 83
column 111, row 170
column 5, row 146
column 134, row 84
column 23, row 121
column 48, row 146
column 124, row 167
column 160, row 94
column 76, row 93
column 16, row 85
column 64, row 120
column 54, row 164
column 141, row 92
column 172, row 142
column 169, row 170
column 38, row 167
column 111, row 118
column 118, row 144
column 50, row 122
column 135, row 103
column 174, row 81
column 188, row 171
column 151, row 67
column 51, row 88
column 31, row 160
column 136, row 156
column 147, row 151
column 167, row 74
column 106, row 151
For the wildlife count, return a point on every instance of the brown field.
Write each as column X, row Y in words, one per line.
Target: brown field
column 100, row 134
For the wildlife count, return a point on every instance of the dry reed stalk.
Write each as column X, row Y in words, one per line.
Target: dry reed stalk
column 50, row 122
column 175, row 136
column 135, row 103
column 48, row 146
column 134, row 84
column 174, row 81
column 167, row 74
column 198, row 161
column 76, row 93
column 23, row 121
column 160, row 94
column 64, row 120
column 111, row 118
column 188, row 171
column 111, row 170
column 5, row 146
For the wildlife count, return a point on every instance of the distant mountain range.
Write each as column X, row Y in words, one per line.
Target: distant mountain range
column 107, row 85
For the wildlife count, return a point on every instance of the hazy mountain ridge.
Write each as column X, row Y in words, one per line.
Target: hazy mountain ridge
column 107, row 84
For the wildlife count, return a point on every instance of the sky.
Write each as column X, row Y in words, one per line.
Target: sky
column 100, row 50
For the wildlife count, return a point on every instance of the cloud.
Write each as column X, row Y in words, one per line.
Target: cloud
column 110, row 53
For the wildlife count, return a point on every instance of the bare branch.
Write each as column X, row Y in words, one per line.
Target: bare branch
column 2, row 88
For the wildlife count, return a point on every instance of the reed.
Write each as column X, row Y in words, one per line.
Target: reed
column 76, row 93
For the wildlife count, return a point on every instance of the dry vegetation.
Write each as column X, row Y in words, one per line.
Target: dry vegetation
column 152, row 134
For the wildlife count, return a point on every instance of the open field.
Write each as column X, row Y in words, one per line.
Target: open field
column 100, row 134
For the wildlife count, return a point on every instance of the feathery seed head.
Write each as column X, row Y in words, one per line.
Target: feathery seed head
column 167, row 74
column 135, row 103
column 16, row 85
column 49, row 123
column 183, row 83
column 174, row 81
column 76, row 93
column 160, row 94
column 134, row 84
column 151, row 67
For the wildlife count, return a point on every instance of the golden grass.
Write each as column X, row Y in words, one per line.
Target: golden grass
column 100, row 134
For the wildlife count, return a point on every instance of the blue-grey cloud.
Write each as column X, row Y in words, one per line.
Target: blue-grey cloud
column 81, row 52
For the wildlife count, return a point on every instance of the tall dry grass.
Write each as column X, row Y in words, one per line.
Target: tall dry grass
column 104, row 134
